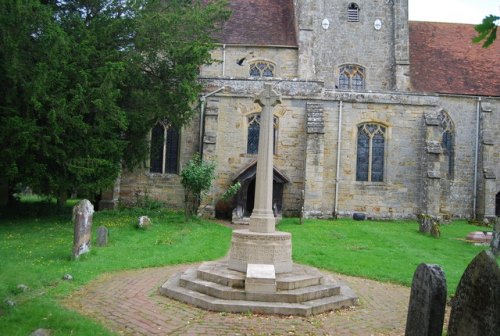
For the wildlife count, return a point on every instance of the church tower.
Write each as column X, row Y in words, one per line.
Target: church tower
column 354, row 44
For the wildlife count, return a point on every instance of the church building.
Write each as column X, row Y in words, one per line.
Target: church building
column 378, row 115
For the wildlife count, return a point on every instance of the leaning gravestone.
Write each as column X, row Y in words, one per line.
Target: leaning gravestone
column 427, row 302
column 82, row 216
column 475, row 309
column 102, row 236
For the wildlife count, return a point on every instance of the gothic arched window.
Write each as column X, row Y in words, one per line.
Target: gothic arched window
column 253, row 133
column 351, row 77
column 448, row 141
column 164, row 152
column 353, row 12
column 371, row 153
column 262, row 69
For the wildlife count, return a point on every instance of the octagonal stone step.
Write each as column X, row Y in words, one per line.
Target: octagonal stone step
column 172, row 289
column 189, row 280
column 301, row 276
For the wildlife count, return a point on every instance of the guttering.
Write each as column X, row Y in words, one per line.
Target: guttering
column 203, row 100
column 337, row 174
column 476, row 159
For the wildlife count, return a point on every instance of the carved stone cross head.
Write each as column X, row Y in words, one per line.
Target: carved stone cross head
column 268, row 97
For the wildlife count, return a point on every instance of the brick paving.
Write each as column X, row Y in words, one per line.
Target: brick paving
column 128, row 303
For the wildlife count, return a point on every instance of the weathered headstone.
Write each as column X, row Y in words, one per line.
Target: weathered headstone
column 426, row 222
column 495, row 241
column 82, row 216
column 427, row 302
column 102, row 236
column 475, row 309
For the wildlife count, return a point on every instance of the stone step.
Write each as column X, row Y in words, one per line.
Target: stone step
column 172, row 289
column 302, row 276
column 190, row 281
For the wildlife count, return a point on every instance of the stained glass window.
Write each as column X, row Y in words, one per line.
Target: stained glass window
column 351, row 77
column 370, row 154
column 262, row 69
column 156, row 155
column 164, row 152
column 253, row 134
column 447, row 141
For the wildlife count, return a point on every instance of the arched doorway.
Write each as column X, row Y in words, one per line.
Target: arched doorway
column 245, row 197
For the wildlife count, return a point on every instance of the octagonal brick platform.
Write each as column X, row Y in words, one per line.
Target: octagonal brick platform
column 303, row 291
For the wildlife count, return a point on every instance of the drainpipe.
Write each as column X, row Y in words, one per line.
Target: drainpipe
column 337, row 176
column 223, row 60
column 203, row 100
column 476, row 159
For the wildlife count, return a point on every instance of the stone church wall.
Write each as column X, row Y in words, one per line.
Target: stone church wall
column 285, row 59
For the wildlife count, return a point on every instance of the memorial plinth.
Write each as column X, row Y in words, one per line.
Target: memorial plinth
column 249, row 247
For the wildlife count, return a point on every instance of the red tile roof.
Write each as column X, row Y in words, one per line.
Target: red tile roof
column 444, row 60
column 260, row 22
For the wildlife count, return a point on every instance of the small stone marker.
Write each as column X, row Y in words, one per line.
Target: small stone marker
column 23, row 288
column 427, row 302
column 10, row 303
column 68, row 277
column 475, row 309
column 102, row 236
column 260, row 278
column 41, row 332
column 144, row 222
column 82, row 216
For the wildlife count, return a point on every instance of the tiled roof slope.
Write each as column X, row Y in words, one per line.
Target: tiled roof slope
column 260, row 22
column 444, row 60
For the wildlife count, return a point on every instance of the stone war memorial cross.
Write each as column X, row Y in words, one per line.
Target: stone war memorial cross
column 261, row 244
column 259, row 275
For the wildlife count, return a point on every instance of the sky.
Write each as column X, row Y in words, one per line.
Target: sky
column 458, row 11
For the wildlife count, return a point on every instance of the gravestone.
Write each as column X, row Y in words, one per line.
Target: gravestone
column 102, row 236
column 426, row 222
column 427, row 302
column 82, row 216
column 495, row 241
column 475, row 309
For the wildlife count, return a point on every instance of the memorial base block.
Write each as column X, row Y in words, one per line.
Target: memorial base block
column 249, row 247
column 260, row 279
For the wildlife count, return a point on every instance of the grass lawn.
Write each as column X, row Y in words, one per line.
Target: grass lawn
column 382, row 250
column 35, row 250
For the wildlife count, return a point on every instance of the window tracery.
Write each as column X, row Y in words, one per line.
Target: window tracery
column 164, row 149
column 253, row 133
column 262, row 69
column 351, row 77
column 370, row 154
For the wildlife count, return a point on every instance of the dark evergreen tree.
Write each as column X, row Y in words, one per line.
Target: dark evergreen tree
column 84, row 80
